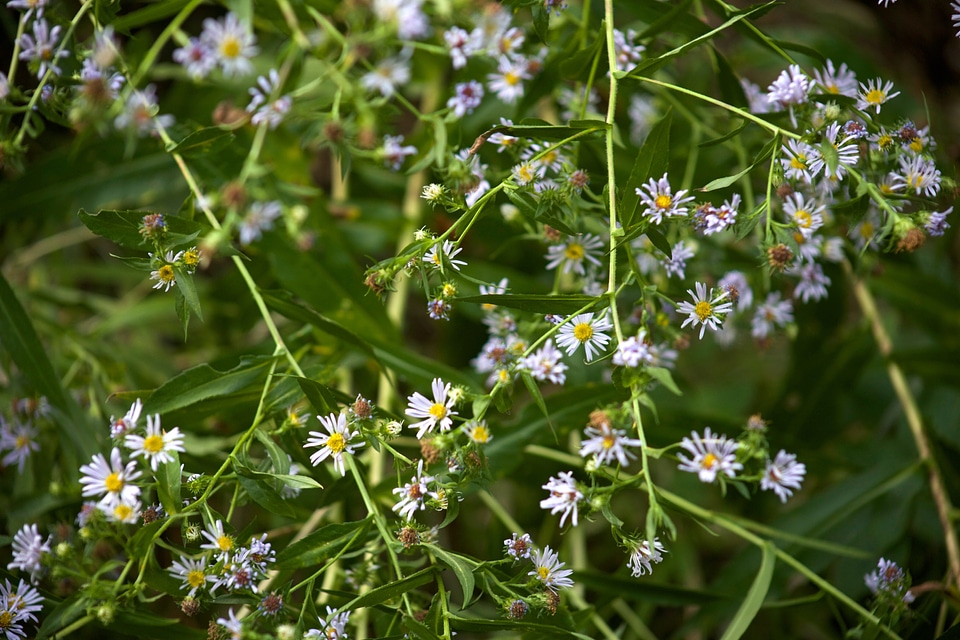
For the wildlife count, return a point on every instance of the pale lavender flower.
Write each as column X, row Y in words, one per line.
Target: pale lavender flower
column 633, row 352
column 797, row 160
column 467, row 97
column 196, row 57
column 627, row 53
column 782, row 475
column 264, row 108
column 936, row 222
column 462, row 45
column 773, row 312
column 28, row 549
column 141, row 112
column 545, row 364
column 705, row 310
column 41, row 46
column 738, row 289
column 676, row 264
column 836, row 81
column 548, row 569
column 606, row 444
column 642, row 557
column 575, row 253
column 813, row 283
column 873, row 95
column 712, row 455
column 918, row 174
column 806, row 214
column 507, row 83
column 30, row 5
column 259, row 218
column 388, row 75
column 231, row 43
column 587, row 330
column 20, row 441
column 414, row 494
column 889, row 579
column 563, row 497
column 394, row 152
column 660, row 201
column 519, row 546
column 113, row 481
column 844, row 153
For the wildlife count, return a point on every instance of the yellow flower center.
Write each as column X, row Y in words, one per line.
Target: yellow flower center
column 609, row 440
column 225, row 543
column 866, row 230
column 512, row 78
column 122, row 512
column 196, row 578
column 884, row 141
column 574, row 251
column 543, row 572
column 22, row 442
column 191, row 258
column 875, row 96
column 803, row 219
column 834, row 89
column 166, row 273
column 438, row 411
column 663, row 201
column 709, row 460
column 703, row 310
column 799, row 162
column 917, row 145
column 336, row 443
column 153, row 444
column 480, row 434
column 6, row 619
column 449, row 290
column 583, row 331
column 113, row 483
column 230, row 47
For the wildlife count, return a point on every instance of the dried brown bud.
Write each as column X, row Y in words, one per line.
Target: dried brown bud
column 598, row 418
column 911, row 241
column 334, row 132
column 517, row 610
column 779, row 257
column 226, row 114
column 784, row 191
column 429, row 452
column 757, row 423
column 362, row 408
column 373, row 283
column 234, row 195
column 150, row 514
column 271, row 604
column 190, row 606
column 409, row 537
column 215, row 631
column 553, row 601
column 551, row 234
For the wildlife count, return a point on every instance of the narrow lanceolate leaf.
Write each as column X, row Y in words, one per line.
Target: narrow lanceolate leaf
column 392, row 590
column 323, row 544
column 263, row 489
column 203, row 382
column 461, row 568
column 168, row 484
column 538, row 303
column 123, row 227
column 651, row 162
column 755, row 596
column 722, row 183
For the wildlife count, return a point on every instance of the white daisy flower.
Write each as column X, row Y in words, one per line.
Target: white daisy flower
column 773, row 312
column 564, row 496
column 157, row 445
column 507, row 83
column 388, row 75
column 573, row 253
column 835, row 156
column 660, row 201
column 395, row 152
column 439, row 255
column 813, row 283
column 642, row 558
column 548, row 569
column 606, row 444
column 918, row 174
column 806, row 214
column 477, row 431
column 676, row 264
column 126, row 512
column 20, row 441
column 334, row 443
column 113, row 481
column 436, row 412
column 414, row 494
column 231, row 624
column 518, row 546
column 842, row 81
column 219, row 541
column 584, row 329
column 22, row 602
column 783, row 474
column 120, row 427
column 705, row 310
column 232, row 44
column 265, row 109
column 28, row 549
column 633, row 352
column 544, row 364
column 193, row 573
column 873, row 95
column 798, row 159
column 712, row 455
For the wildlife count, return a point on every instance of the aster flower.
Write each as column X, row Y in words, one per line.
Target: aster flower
column 518, row 546
column 42, row 47
column 260, row 217
column 873, row 96
column 526, row 173
column 548, row 569
column 918, row 174
column 796, row 165
column 627, row 53
column 336, row 442
column 889, row 580
column 100, row 86
column 955, row 5
column 113, row 481
column 120, row 426
column 439, row 255
column 30, row 5
column 705, row 310
column 936, row 222
column 676, row 264
column 632, row 352
column 414, row 494
column 544, row 364
column 436, row 412
column 835, row 156
column 840, row 81
column 711, row 219
column 462, row 45
column 334, row 627
column 563, row 497
column 712, row 455
column 477, row 431
column 231, row 624
column 507, row 83
column 193, row 573
column 606, row 444
column 584, row 329
column 123, row 511
column 738, row 289
column 782, row 475
column 660, row 201
column 263, row 108
column 773, row 312
column 756, row 98
column 573, row 253
column 141, row 113
column 394, row 152
column 467, row 97
column 21, row 602
column 20, row 441
column 196, row 57
column 28, row 549
column 642, row 114
column 231, row 43
column 806, row 214
column 791, row 88
column 388, row 75
column 642, row 557
column 813, row 283
column 407, row 15
column 158, row 445
column 218, row 541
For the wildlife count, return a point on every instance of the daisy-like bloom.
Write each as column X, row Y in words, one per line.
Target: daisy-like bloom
column 890, row 580
column 738, row 289
column 196, row 58
column 518, row 546
column 113, row 481
column 141, row 113
column 164, row 273
column 783, row 474
column 835, row 156
column 676, row 264
column 467, row 97
column 572, row 254
column 842, row 81
column 21, row 440
column 477, row 431
column 918, row 174
column 628, row 54
column 440, row 255
column 773, row 312
column 605, row 444
column 642, row 557
column 394, row 152
column 414, row 494
column 219, row 541
column 439, row 309
column 408, row 15
column 813, row 283
column 502, row 140
column 100, row 86
column 936, row 222
column 263, row 108
column 433, row 192
column 712, row 455
column 126, row 512
column 335, row 442
column 548, row 569
column 806, row 214
column 660, row 201
column 23, row 601
column 28, row 549
column 499, row 288
column 259, row 218
column 872, row 95
column 30, row 5
column 705, row 310
column 507, row 83
column 232, row 44
column 334, row 627
column 544, row 364
column 584, row 329
column 231, row 624
column 661, row 355
column 42, row 47
column 711, row 219
column 792, row 87
column 120, row 426
column 796, row 165
column 462, row 45
column 157, row 445
column 388, row 75
column 526, row 173
column 756, row 98
column 435, row 412
column 563, row 498
column 633, row 352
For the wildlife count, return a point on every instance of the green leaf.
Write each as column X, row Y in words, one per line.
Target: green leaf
column 323, row 544
column 183, row 312
column 284, row 303
column 534, row 390
column 168, row 484
column 188, row 288
column 391, row 590
column 664, row 377
column 758, row 592
column 202, row 142
column 319, row 396
column 575, row 66
column 486, row 626
column 262, row 489
column 732, row 134
column 540, row 303
column 540, row 130
column 722, row 183
column 651, row 162
column 666, row 20
column 123, row 227
column 658, row 240
column 203, row 382
column 62, row 615
column 461, row 568
column 541, row 22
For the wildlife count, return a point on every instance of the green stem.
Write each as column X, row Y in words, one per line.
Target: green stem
column 79, row 624
column 501, row 514
column 147, row 63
